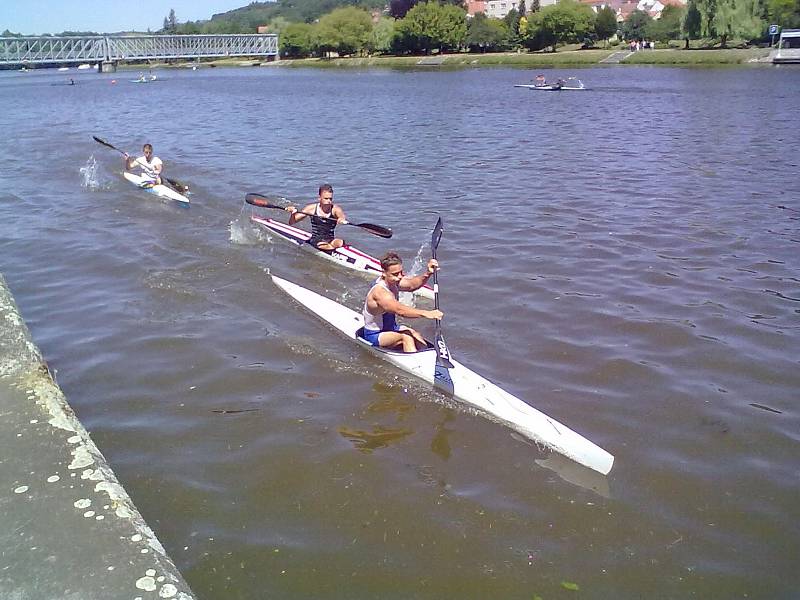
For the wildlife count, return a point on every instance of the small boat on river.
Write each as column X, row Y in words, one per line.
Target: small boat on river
column 570, row 84
column 460, row 383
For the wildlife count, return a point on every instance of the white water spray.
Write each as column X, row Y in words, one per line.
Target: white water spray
column 89, row 174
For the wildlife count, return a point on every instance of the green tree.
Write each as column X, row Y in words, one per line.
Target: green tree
column 707, row 9
column 297, row 41
column 668, row 26
column 430, row 25
column 635, row 26
column 785, row 13
column 383, row 34
column 511, row 22
column 277, row 25
column 605, row 24
column 737, row 18
column 485, row 34
column 691, row 24
column 565, row 22
column 345, row 30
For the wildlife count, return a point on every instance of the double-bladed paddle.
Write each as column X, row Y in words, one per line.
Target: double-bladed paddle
column 181, row 187
column 264, row 202
column 442, row 353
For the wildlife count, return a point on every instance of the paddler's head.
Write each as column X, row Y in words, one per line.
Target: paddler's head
column 392, row 266
column 326, row 195
column 148, row 151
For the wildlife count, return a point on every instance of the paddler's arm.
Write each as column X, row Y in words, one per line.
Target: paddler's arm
column 409, row 284
column 298, row 215
column 386, row 301
column 341, row 218
column 129, row 161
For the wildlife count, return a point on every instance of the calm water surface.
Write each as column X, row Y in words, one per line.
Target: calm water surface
column 626, row 259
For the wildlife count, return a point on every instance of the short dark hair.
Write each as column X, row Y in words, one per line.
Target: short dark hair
column 325, row 187
column 389, row 259
column 148, row 147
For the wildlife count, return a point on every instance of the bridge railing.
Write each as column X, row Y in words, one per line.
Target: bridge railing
column 46, row 49
column 34, row 50
column 190, row 46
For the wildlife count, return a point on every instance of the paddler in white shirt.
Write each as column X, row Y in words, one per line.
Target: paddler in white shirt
column 382, row 306
column 150, row 165
column 325, row 216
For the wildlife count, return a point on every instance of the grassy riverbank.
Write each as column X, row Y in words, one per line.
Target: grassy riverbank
column 567, row 57
column 732, row 56
column 533, row 59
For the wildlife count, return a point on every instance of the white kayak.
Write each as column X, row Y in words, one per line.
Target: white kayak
column 160, row 190
column 549, row 88
column 347, row 256
column 462, row 384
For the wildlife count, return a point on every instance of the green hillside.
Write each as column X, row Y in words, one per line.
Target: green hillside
column 247, row 18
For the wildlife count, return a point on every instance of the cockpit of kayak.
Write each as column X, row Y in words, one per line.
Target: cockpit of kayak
column 360, row 337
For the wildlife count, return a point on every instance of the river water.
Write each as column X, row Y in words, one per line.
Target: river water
column 625, row 258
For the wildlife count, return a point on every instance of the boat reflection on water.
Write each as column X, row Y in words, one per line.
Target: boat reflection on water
column 379, row 437
column 440, row 444
column 576, row 474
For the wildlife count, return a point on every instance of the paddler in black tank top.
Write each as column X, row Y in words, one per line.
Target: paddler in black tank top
column 324, row 215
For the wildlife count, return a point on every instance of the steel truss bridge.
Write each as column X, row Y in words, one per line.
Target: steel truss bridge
column 110, row 50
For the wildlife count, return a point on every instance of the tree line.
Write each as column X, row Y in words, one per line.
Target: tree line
column 435, row 25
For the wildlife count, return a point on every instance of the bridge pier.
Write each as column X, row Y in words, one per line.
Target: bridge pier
column 108, row 66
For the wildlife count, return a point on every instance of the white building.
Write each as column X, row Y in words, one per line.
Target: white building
column 500, row 8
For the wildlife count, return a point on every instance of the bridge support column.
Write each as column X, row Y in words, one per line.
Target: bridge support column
column 108, row 66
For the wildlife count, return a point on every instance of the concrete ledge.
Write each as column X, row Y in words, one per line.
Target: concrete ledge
column 69, row 531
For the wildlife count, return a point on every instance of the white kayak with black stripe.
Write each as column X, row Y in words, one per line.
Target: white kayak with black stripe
column 347, row 256
column 461, row 383
column 160, row 190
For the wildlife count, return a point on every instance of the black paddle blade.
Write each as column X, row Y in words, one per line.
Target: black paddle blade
column 378, row 230
column 260, row 200
column 436, row 236
column 442, row 353
column 103, row 142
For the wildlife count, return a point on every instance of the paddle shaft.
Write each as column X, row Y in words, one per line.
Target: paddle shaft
column 263, row 202
column 442, row 353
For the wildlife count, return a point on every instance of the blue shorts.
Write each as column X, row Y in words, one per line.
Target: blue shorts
column 371, row 335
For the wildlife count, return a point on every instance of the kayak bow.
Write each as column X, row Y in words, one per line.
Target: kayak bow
column 463, row 384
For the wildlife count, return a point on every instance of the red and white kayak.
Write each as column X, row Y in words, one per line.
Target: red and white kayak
column 347, row 256
column 160, row 190
column 461, row 383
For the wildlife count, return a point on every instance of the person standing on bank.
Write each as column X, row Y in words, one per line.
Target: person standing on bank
column 150, row 165
column 382, row 306
column 325, row 216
